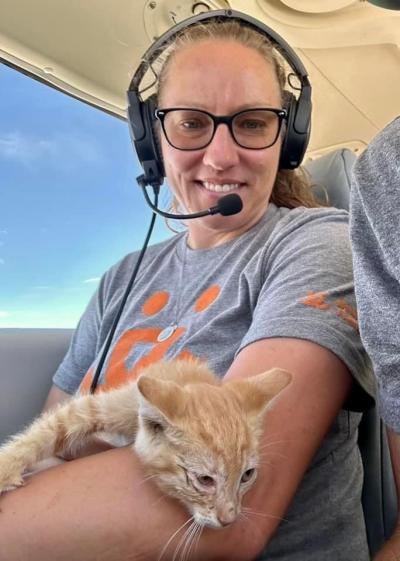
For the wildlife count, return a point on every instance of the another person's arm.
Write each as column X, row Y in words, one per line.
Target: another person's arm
column 375, row 236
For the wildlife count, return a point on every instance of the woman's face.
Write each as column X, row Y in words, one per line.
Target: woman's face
column 221, row 77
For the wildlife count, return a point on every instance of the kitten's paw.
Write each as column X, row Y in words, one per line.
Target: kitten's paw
column 11, row 487
column 10, row 480
column 44, row 465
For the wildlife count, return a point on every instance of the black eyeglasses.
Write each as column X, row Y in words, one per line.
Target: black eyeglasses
column 193, row 129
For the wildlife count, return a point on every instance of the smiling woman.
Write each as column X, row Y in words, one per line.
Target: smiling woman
column 69, row 207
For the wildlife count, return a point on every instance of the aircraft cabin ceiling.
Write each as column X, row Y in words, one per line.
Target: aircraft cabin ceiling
column 90, row 48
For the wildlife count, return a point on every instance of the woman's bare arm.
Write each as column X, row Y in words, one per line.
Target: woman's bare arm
column 55, row 397
column 100, row 507
column 321, row 383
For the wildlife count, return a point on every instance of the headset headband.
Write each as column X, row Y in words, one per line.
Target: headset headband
column 141, row 112
column 153, row 52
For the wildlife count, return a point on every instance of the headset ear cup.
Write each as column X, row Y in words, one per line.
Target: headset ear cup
column 154, row 131
column 143, row 129
column 288, row 159
column 297, row 135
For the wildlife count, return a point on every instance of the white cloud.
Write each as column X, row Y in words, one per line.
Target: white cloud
column 24, row 149
column 63, row 149
column 92, row 280
column 4, row 314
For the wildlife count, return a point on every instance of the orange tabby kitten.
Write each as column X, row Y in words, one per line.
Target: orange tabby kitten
column 197, row 436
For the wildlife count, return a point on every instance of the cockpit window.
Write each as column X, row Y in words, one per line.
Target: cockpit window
column 69, row 203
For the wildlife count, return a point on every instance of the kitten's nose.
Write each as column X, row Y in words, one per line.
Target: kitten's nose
column 227, row 515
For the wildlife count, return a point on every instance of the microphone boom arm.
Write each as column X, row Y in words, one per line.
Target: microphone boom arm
column 227, row 205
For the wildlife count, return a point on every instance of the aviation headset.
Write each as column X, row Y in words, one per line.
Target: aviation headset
column 141, row 116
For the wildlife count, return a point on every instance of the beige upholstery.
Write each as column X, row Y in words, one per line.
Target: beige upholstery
column 28, row 360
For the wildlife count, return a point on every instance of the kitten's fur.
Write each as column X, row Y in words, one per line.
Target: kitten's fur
column 196, row 435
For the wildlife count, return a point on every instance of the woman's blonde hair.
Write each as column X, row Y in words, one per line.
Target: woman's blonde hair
column 292, row 188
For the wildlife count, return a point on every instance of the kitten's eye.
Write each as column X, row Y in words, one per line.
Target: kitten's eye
column 247, row 475
column 205, row 480
column 154, row 426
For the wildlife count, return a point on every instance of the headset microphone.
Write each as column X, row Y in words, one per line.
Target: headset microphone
column 227, row 205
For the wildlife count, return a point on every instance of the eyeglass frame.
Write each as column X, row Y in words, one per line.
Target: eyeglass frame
column 217, row 120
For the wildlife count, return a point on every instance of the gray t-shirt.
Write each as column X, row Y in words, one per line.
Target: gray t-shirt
column 289, row 276
column 375, row 236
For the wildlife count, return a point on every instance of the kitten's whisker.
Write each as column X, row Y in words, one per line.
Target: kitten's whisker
column 262, row 461
column 200, row 528
column 265, row 463
column 172, row 537
column 183, row 539
column 250, row 511
column 268, row 437
column 196, row 538
column 186, row 541
column 147, row 478
column 189, row 542
column 267, row 444
column 268, row 453
column 162, row 498
column 244, row 516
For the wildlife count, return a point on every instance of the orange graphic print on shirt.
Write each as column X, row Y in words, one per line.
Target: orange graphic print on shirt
column 344, row 310
column 117, row 370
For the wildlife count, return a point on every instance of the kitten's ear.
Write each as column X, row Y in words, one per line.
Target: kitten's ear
column 160, row 400
column 256, row 392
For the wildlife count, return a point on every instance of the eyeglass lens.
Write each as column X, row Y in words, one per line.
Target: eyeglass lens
column 193, row 129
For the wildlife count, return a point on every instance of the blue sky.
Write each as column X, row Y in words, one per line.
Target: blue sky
column 69, row 203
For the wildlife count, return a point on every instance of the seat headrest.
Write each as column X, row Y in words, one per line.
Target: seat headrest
column 331, row 175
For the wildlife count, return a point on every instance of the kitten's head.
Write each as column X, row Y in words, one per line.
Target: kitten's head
column 201, row 441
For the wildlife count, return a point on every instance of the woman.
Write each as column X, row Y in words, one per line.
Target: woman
column 268, row 287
